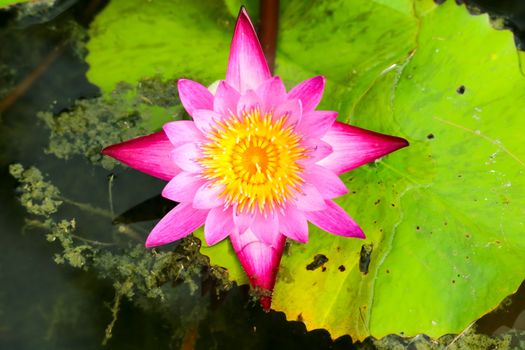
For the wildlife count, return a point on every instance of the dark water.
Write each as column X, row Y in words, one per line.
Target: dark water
column 48, row 306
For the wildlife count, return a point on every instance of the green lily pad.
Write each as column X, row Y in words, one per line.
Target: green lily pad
column 445, row 216
column 6, row 3
column 131, row 40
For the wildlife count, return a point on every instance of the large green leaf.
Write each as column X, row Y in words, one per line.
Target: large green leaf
column 6, row 3
column 134, row 39
column 444, row 217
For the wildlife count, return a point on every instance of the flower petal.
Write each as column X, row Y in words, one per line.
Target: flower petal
column 259, row 260
column 178, row 223
column 218, row 225
column 208, row 196
column 242, row 221
column 326, row 181
column 265, row 228
column 186, row 157
column 316, row 123
column 194, row 96
column 181, row 132
column 310, row 199
column 353, row 147
column 292, row 109
column 317, row 150
column 226, row 99
column 205, row 119
column 293, row 224
column 149, row 154
column 182, row 188
column 248, row 102
column 272, row 93
column 309, row 92
column 247, row 67
column 335, row 220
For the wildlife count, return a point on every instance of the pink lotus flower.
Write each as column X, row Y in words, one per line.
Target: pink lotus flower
column 255, row 164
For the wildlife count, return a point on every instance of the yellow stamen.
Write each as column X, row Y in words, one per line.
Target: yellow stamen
column 256, row 159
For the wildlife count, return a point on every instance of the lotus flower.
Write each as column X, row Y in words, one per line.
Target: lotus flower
column 256, row 164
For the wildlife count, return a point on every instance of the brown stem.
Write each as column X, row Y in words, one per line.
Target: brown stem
column 268, row 29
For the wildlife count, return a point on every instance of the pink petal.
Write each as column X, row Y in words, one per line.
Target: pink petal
column 178, row 223
column 335, row 220
column 149, row 154
column 186, row 157
column 182, row 188
column 208, row 196
column 265, row 228
column 326, row 181
column 226, row 99
column 317, row 150
column 272, row 93
column 309, row 92
column 248, row 102
column 242, row 221
column 310, row 199
column 218, row 225
column 293, row 224
column 316, row 123
column 194, row 96
column 247, row 67
column 292, row 109
column 205, row 119
column 353, row 147
column 259, row 260
column 181, row 132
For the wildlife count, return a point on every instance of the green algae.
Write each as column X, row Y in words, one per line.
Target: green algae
column 140, row 275
column 129, row 111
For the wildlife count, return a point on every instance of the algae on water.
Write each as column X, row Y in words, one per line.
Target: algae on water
column 128, row 112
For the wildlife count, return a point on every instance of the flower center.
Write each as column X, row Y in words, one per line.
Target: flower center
column 256, row 159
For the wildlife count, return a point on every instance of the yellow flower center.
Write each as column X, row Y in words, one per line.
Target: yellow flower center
column 256, row 159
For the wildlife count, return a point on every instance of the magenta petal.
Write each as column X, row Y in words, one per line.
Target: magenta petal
column 293, row 224
column 194, row 96
column 265, row 228
column 292, row 109
column 218, row 225
column 272, row 93
column 182, row 188
column 335, row 220
column 178, row 223
column 309, row 92
column 310, row 199
column 316, row 123
column 208, row 196
column 353, row 147
column 205, row 119
column 247, row 67
column 259, row 260
column 226, row 99
column 149, row 154
column 248, row 102
column 186, row 157
column 181, row 132
column 326, row 181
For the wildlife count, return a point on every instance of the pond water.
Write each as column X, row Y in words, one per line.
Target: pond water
column 44, row 305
